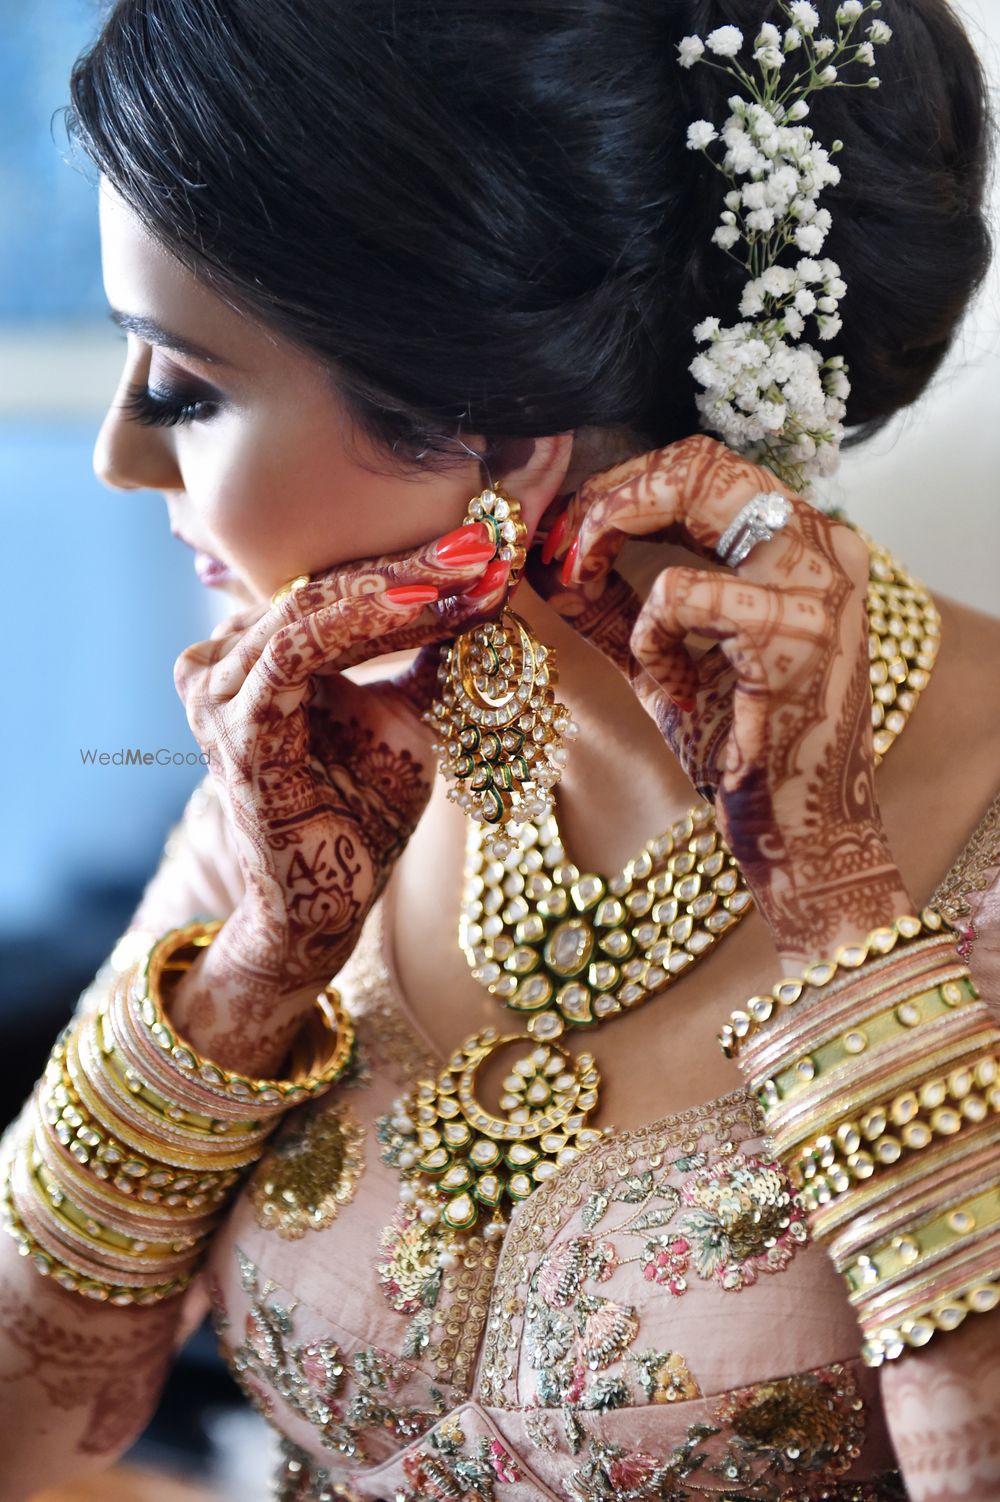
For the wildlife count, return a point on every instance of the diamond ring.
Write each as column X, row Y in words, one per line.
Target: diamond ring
column 756, row 522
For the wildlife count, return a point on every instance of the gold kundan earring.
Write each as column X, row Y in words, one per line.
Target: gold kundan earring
column 500, row 727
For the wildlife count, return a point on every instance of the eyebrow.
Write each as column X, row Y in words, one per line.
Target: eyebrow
column 151, row 332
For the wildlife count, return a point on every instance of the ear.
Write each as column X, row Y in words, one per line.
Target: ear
column 532, row 470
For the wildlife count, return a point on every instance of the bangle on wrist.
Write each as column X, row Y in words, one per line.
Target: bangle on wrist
column 878, row 1074
column 116, row 1174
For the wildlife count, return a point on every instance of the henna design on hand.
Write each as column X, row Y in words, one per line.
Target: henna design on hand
column 780, row 731
column 322, row 782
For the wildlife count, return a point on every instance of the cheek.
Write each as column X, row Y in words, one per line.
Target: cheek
column 302, row 507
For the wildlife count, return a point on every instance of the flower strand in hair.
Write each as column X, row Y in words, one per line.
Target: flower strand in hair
column 766, row 393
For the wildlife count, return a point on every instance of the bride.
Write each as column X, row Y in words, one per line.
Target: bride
column 470, row 351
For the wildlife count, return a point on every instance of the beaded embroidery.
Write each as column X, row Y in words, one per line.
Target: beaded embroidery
column 311, row 1376
column 310, row 1173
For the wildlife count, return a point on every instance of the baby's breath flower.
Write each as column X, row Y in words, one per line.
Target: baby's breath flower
column 809, row 237
column 726, row 236
column 764, row 391
column 805, row 16
column 769, row 57
column 690, row 50
column 701, row 134
column 725, row 41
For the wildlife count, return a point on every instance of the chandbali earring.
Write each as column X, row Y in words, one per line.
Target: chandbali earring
column 500, row 727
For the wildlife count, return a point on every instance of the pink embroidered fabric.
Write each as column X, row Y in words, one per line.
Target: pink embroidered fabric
column 655, row 1324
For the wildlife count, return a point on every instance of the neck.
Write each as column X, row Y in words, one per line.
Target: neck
column 622, row 784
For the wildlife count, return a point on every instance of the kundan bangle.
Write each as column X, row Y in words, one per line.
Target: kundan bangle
column 879, row 1078
column 175, row 953
column 116, row 1174
column 785, row 993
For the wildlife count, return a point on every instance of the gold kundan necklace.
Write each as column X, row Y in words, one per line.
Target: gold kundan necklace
column 566, row 948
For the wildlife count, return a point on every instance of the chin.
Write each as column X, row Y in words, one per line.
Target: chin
column 238, row 590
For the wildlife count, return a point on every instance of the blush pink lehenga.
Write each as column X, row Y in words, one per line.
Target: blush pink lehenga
column 655, row 1325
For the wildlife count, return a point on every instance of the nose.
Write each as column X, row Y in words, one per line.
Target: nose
column 131, row 456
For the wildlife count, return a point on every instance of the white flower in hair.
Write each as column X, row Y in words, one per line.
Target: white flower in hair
column 690, row 50
column 775, row 399
column 726, row 41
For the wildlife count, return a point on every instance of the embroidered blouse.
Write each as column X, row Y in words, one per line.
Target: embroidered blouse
column 656, row 1323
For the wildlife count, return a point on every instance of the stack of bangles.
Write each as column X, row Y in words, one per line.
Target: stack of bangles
column 121, row 1165
column 878, row 1077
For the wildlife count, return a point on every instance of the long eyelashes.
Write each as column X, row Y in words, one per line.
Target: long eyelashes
column 142, row 405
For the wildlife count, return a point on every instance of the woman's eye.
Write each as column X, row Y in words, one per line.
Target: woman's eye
column 165, row 408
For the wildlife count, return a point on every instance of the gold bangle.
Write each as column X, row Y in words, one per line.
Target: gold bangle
column 111, row 1160
column 48, row 1264
column 875, row 1031
column 173, row 1153
column 838, row 1157
column 167, row 955
column 945, row 1312
column 912, row 1249
column 785, row 993
column 57, row 1203
column 832, row 1221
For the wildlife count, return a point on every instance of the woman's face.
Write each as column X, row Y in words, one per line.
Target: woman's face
column 270, row 480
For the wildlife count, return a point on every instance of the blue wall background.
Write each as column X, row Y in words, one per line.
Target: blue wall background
column 49, row 248
column 99, row 599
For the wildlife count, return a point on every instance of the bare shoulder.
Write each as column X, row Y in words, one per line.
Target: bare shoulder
column 941, row 775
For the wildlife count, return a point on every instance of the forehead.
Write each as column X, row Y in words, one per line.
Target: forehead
column 143, row 280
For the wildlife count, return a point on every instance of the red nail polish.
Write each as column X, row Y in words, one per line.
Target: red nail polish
column 495, row 575
column 569, row 562
column 473, row 544
column 550, row 547
column 685, row 705
column 412, row 594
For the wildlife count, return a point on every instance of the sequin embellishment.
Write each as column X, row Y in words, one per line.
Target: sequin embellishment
column 310, row 1173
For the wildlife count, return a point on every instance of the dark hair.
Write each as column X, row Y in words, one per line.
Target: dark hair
column 483, row 217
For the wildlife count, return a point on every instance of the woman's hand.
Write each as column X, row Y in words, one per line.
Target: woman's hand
column 322, row 780
column 773, row 723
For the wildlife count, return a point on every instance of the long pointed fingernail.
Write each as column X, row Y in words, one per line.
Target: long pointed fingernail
column 412, row 594
column 491, row 580
column 551, row 544
column 569, row 562
column 473, row 544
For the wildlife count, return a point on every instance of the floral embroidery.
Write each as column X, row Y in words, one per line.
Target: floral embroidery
column 410, row 1271
column 299, row 1480
column 666, row 1262
column 745, row 1219
column 809, row 1426
column 665, row 1377
column 312, row 1376
column 310, row 1173
column 442, row 1472
column 733, row 1218
column 812, row 1421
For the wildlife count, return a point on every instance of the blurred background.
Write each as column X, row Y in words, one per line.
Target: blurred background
column 103, row 598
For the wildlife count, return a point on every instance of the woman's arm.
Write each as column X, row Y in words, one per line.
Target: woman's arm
column 79, row 1380
column 942, row 1406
